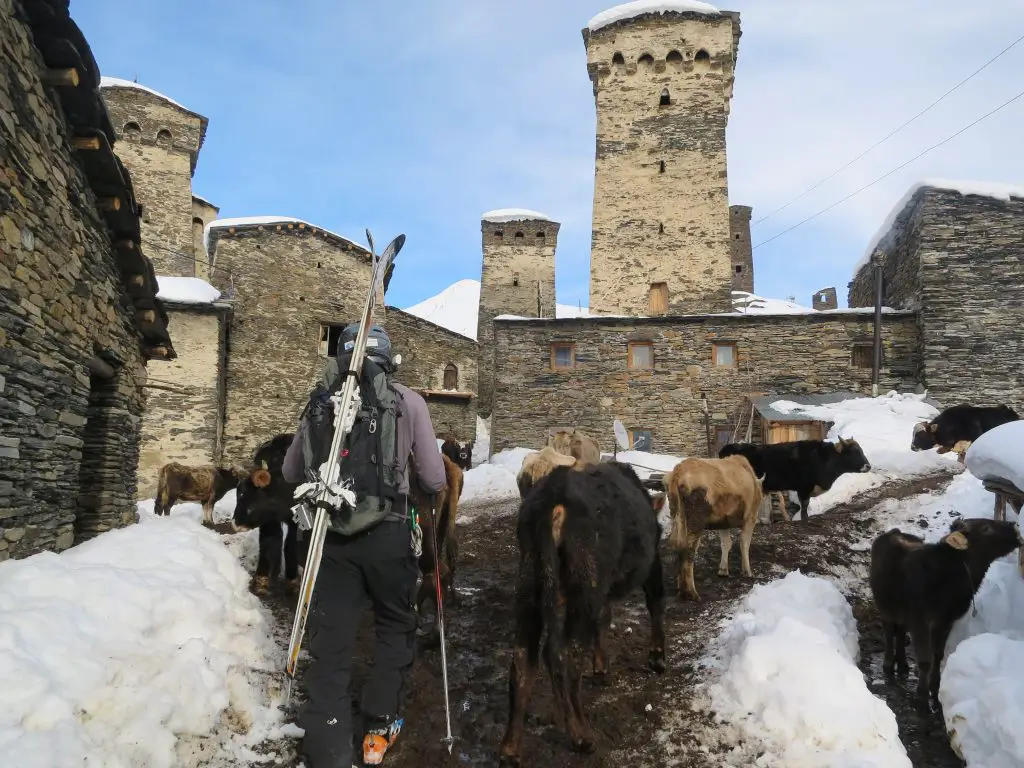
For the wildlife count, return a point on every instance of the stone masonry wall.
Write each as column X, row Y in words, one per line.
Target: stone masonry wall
column 202, row 214
column 426, row 349
column 661, row 204
column 68, row 444
column 287, row 283
column 826, row 299
column 776, row 354
column 182, row 399
column 742, row 250
column 161, row 171
column 512, row 267
column 900, row 264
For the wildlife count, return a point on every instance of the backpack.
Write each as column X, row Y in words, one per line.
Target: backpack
column 368, row 460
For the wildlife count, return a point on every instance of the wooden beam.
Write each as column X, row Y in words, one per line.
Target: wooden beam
column 100, row 368
column 86, row 143
column 145, row 316
column 108, row 203
column 60, row 78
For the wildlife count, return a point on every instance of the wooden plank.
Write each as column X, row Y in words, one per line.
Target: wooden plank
column 60, row 78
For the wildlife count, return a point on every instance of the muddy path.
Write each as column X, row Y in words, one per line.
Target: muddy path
column 641, row 719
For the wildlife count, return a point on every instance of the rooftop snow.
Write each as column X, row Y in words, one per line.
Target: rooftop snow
column 640, row 7
column 248, row 221
column 202, row 200
column 751, row 304
column 513, row 214
column 994, row 189
column 186, row 290
column 116, row 82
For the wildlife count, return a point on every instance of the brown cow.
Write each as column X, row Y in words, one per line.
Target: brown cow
column 206, row 484
column 538, row 465
column 577, row 444
column 720, row 494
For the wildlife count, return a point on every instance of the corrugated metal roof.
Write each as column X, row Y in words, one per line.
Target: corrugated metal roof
column 762, row 404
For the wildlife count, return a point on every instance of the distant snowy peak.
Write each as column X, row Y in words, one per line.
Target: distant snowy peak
column 641, row 7
column 513, row 214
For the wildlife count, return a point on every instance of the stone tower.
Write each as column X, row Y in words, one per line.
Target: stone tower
column 825, row 299
column 159, row 142
column 742, row 254
column 662, row 85
column 517, row 278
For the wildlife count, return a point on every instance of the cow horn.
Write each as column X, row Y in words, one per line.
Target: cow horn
column 263, row 464
column 261, row 477
column 957, row 540
column 761, row 478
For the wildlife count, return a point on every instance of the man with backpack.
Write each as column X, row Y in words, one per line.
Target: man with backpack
column 367, row 553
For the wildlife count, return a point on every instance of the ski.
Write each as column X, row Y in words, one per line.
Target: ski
column 346, row 404
column 448, row 741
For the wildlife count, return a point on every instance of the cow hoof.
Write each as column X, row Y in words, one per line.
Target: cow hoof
column 583, row 745
column 723, row 574
column 693, row 596
column 656, row 661
column 261, row 585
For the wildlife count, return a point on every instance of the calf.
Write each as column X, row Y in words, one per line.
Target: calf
column 924, row 588
column 538, row 465
column 809, row 467
column 586, row 537
column 577, row 444
column 717, row 494
column 265, row 501
column 958, row 426
column 206, row 484
column 462, row 455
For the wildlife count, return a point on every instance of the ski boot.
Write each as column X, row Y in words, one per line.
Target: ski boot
column 378, row 740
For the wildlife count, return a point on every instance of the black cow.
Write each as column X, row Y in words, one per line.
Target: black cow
column 924, row 588
column 462, row 455
column 264, row 502
column 586, row 537
column 809, row 467
column 959, row 424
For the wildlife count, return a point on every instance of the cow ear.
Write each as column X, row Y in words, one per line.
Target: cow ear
column 957, row 540
column 839, row 446
column 658, row 501
column 261, row 478
column 933, row 427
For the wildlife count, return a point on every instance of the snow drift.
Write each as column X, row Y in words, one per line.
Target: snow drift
column 997, row 454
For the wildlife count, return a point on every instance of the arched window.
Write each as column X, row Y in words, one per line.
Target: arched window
column 131, row 130
column 665, row 99
column 498, row 234
column 618, row 63
column 646, row 61
column 451, row 376
column 540, row 235
column 163, row 137
column 675, row 61
column 702, row 60
column 519, row 235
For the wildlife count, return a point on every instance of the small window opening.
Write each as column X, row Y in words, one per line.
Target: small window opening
column 540, row 235
column 863, row 356
column 618, row 63
column 724, row 354
column 702, row 60
column 519, row 235
column 319, row 265
column 563, row 355
column 451, row 376
column 666, row 99
column 737, row 235
column 675, row 60
column 640, row 355
column 330, row 336
column 661, row 229
column 641, row 440
column 646, row 60
column 515, row 278
column 498, row 234
column 658, row 298
column 661, row 166
column 163, row 137
column 132, row 130
column 738, row 268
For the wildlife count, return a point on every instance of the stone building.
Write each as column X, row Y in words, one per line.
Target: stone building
column 79, row 316
column 203, row 213
column 741, row 247
column 661, row 229
column 957, row 259
column 517, row 278
column 826, row 299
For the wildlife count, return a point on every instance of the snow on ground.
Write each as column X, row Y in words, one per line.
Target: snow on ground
column 766, row 673
column 186, row 290
column 482, row 446
column 112, row 650
column 513, row 214
column 884, row 427
column 997, row 454
column 638, row 7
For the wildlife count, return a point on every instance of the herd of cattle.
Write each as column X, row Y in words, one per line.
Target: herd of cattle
column 589, row 535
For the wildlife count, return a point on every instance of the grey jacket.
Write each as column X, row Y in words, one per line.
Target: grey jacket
column 415, row 447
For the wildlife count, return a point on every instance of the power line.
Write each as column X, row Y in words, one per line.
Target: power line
column 890, row 173
column 891, row 133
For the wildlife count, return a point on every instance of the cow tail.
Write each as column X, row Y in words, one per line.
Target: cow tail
column 677, row 538
column 553, row 600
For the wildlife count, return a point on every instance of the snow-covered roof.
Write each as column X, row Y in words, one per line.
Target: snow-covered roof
column 640, row 7
column 883, row 237
column 202, row 200
column 251, row 221
column 513, row 214
column 186, row 290
column 751, row 304
column 116, row 82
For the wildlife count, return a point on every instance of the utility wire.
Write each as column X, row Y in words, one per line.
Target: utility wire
column 890, row 134
column 890, row 173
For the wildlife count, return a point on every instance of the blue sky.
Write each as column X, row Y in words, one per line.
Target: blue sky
column 416, row 117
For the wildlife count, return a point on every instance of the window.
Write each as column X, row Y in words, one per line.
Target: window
column 675, row 60
column 659, row 298
column 661, row 166
column 723, row 436
column 515, row 278
column 540, row 235
column 863, row 356
column 563, row 355
column 702, row 56
column 665, row 99
column 619, row 63
column 132, row 130
column 498, row 234
column 738, row 268
column 641, row 439
column 330, row 335
column 163, row 137
column 519, row 235
column 661, row 229
column 737, row 235
column 646, row 60
column 641, row 355
column 724, row 354
column 451, row 376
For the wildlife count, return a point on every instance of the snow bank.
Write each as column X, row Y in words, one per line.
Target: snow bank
column 112, row 650
column 640, row 7
column 482, row 445
column 116, row 82
column 455, row 308
column 513, row 214
column 884, row 427
column 883, row 236
column 645, row 463
column 186, row 290
column 247, row 221
column 997, row 454
column 770, row 662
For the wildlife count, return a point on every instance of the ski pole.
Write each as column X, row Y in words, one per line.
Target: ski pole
column 447, row 740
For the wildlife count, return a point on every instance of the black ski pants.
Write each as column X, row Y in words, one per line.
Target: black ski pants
column 378, row 566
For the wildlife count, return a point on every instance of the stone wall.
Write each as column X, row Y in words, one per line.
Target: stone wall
column 741, row 248
column 826, row 299
column 162, row 170
column 961, row 259
column 68, row 441
column 426, row 350
column 661, row 203
column 203, row 213
column 182, row 419
column 515, row 261
column 775, row 354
